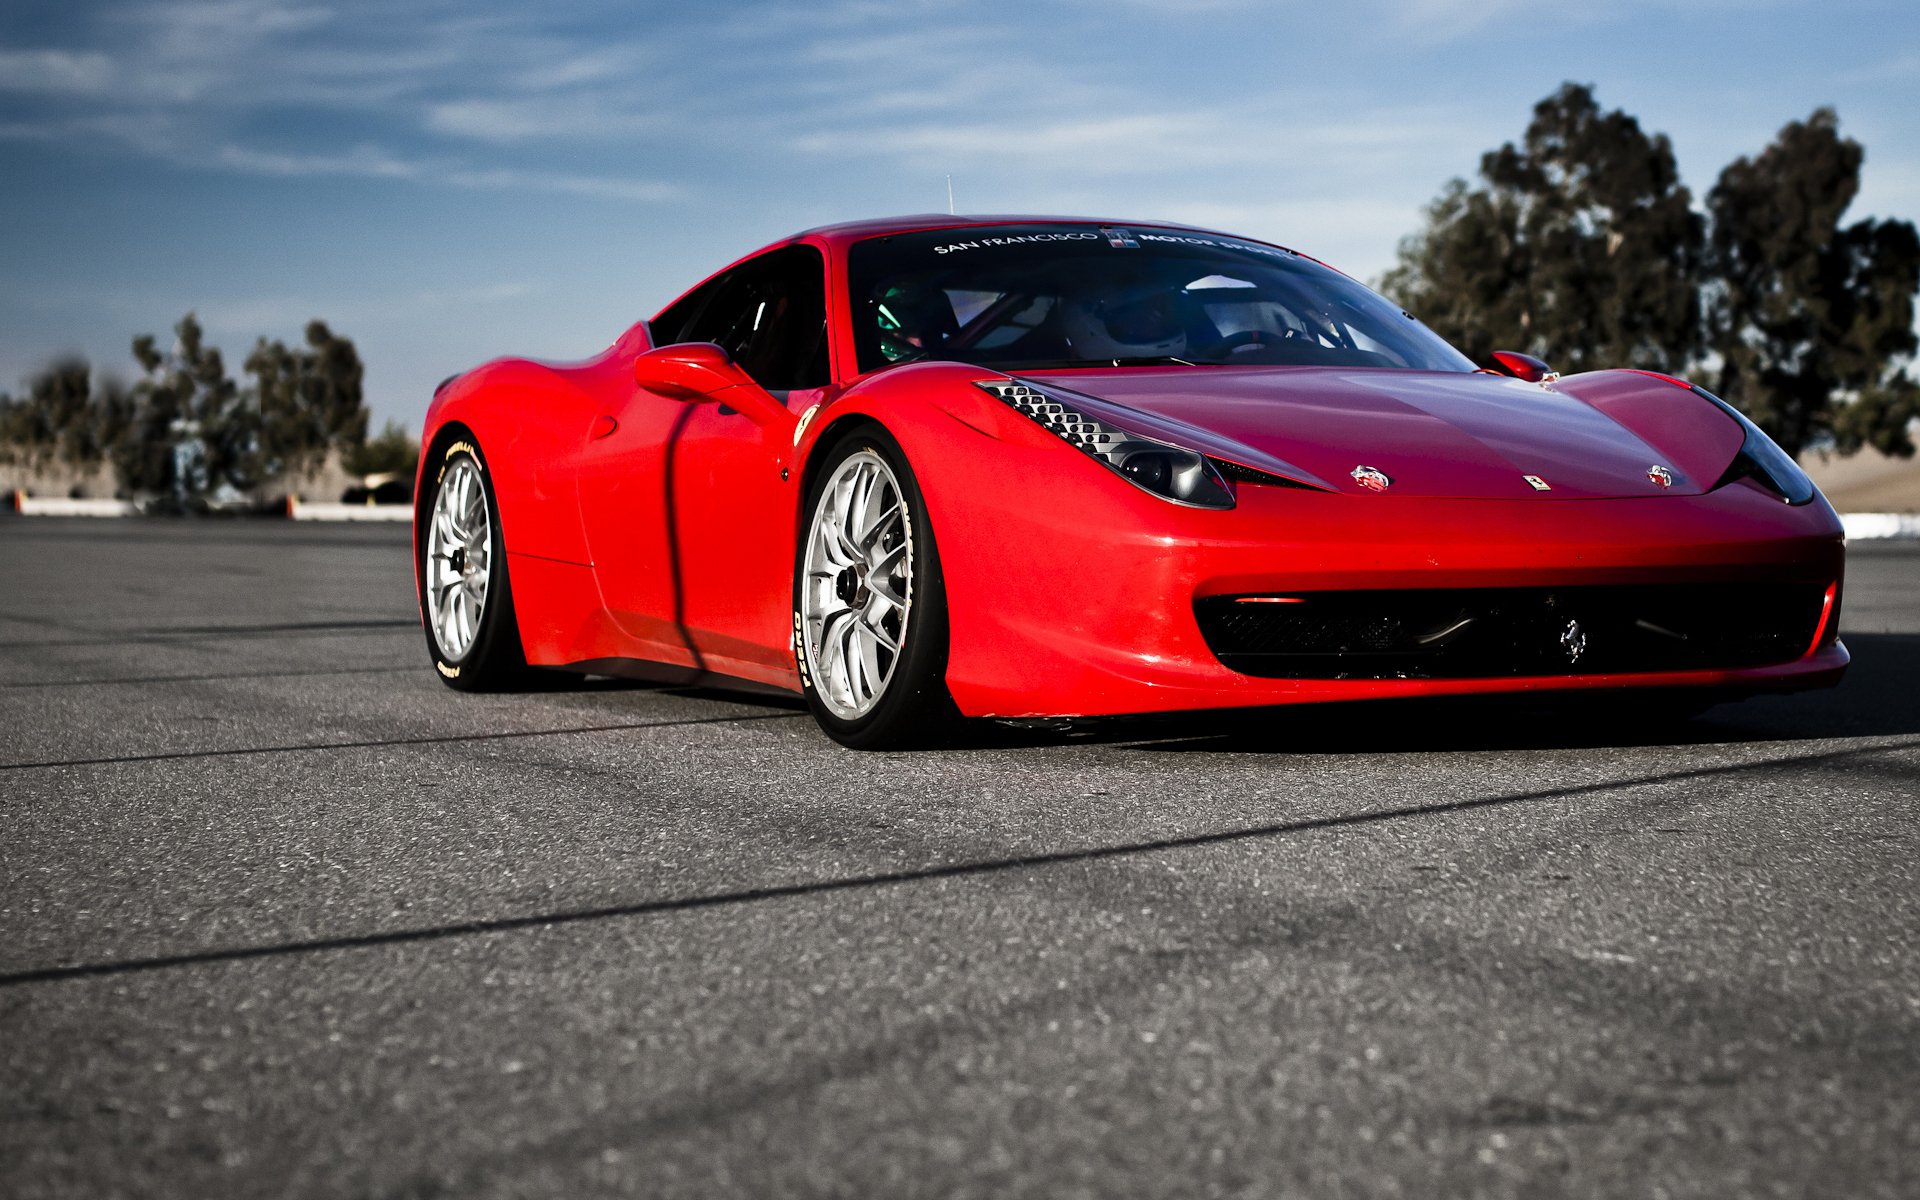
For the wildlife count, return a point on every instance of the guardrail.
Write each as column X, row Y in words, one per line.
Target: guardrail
column 1863, row 526
column 65, row 506
column 302, row 510
column 294, row 508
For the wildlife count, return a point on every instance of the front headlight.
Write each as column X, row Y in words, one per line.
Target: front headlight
column 1762, row 460
column 1168, row 471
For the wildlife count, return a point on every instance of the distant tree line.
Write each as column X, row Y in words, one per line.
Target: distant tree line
column 1581, row 246
column 185, row 430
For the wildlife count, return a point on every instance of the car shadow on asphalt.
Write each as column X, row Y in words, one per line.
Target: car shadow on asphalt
column 1876, row 699
column 729, row 692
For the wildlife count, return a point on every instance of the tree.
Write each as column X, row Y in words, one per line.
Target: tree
column 189, row 429
column 309, row 401
column 192, row 431
column 1580, row 246
column 46, row 426
column 65, row 419
column 1468, row 274
column 1812, row 321
column 186, row 429
column 393, row 452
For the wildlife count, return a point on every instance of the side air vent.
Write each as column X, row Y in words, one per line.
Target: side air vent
column 1240, row 474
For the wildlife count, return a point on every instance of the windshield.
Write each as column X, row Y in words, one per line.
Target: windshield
column 1039, row 296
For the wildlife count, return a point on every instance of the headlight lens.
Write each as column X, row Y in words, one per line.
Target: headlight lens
column 1168, row 471
column 1763, row 461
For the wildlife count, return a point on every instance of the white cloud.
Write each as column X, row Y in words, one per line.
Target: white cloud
column 28, row 131
column 265, row 315
column 1105, row 145
column 1179, row 8
column 1356, row 234
column 1256, row 139
column 1438, row 22
column 371, row 162
column 55, row 72
column 1448, row 20
column 148, row 133
column 574, row 67
column 594, row 186
column 536, row 118
column 1892, row 70
column 364, row 161
column 210, row 84
column 207, row 49
column 193, row 28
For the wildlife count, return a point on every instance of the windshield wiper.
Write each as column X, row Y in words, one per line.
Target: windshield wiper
column 1054, row 364
column 1071, row 364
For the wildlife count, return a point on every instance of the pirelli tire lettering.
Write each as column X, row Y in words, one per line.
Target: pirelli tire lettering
column 453, row 449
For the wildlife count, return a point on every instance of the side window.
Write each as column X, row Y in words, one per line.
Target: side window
column 670, row 326
column 770, row 314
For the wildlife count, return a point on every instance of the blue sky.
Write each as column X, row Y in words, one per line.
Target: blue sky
column 448, row 182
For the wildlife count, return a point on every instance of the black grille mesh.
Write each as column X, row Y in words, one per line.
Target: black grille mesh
column 1486, row 632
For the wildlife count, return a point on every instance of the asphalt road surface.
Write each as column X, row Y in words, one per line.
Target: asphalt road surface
column 281, row 915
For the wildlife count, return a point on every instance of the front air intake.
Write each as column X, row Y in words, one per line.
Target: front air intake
column 1491, row 632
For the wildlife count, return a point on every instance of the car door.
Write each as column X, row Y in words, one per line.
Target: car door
column 688, row 521
column 733, row 512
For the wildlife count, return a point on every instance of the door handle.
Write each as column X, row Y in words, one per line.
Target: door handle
column 603, row 426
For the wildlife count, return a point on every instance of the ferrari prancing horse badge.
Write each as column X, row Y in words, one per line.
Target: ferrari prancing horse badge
column 1371, row 479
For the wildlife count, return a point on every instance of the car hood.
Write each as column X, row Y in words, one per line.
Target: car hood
column 1433, row 434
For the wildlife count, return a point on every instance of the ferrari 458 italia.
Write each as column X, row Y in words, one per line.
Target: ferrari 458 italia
column 934, row 468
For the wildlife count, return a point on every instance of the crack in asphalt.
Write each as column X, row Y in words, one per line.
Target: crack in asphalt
column 375, row 743
column 202, row 633
column 59, row 683
column 895, row 878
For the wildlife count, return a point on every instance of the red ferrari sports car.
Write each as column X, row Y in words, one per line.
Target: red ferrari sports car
column 938, row 467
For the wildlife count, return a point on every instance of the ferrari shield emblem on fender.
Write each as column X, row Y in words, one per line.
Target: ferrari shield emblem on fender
column 1371, row 479
column 1537, row 484
column 1660, row 475
column 1573, row 640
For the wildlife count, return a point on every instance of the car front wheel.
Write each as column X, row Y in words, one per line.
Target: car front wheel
column 466, row 599
column 870, row 621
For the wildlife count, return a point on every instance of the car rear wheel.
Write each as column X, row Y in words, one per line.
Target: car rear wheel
column 466, row 599
column 870, row 621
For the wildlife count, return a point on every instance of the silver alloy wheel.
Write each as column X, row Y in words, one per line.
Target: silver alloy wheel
column 459, row 558
column 856, row 597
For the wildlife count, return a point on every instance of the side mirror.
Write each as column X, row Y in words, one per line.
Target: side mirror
column 700, row 373
column 693, row 371
column 1523, row 366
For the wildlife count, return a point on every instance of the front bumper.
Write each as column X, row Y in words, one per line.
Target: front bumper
column 1085, row 605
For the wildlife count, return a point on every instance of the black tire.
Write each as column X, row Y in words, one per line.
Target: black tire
column 913, row 709
column 494, row 659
